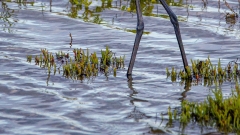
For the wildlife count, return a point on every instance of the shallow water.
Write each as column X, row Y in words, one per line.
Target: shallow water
column 34, row 103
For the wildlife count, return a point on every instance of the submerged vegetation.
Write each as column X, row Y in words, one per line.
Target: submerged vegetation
column 216, row 110
column 81, row 65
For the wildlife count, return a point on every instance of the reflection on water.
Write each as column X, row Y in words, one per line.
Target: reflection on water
column 137, row 115
column 7, row 17
column 133, row 94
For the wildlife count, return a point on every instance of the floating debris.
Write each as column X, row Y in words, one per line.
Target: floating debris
column 231, row 15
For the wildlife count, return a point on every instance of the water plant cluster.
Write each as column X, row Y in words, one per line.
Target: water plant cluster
column 206, row 70
column 222, row 113
column 216, row 111
column 82, row 64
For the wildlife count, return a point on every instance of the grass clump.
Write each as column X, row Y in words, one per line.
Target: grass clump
column 81, row 65
column 222, row 113
column 216, row 111
column 206, row 70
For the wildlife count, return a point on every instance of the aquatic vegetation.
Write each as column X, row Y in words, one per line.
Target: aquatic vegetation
column 29, row 58
column 206, row 70
column 147, row 8
column 135, row 31
column 82, row 64
column 215, row 111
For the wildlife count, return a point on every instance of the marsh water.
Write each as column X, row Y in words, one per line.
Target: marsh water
column 33, row 102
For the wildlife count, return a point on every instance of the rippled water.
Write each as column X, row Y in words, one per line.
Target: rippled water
column 34, row 103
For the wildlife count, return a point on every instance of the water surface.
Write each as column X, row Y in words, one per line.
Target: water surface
column 34, row 103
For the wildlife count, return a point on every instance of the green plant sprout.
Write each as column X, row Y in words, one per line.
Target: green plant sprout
column 222, row 113
column 215, row 111
column 83, row 64
column 206, row 70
